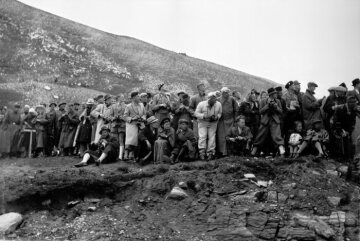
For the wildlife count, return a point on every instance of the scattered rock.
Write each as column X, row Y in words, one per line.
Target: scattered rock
column 91, row 209
column 334, row 219
column 343, row 170
column 92, row 200
column 46, row 202
column 178, row 193
column 183, row 185
column 351, row 220
column 321, row 228
column 47, row 87
column 282, row 198
column 334, row 201
column 9, row 222
column 316, row 173
column 296, row 234
column 257, row 219
column 72, row 203
column 272, row 196
column 332, row 173
column 250, row 176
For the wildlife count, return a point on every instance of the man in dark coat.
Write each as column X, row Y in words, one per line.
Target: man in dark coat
column 311, row 106
column 68, row 125
column 182, row 110
column 353, row 96
column 147, row 138
column 250, row 109
column 105, row 151
column 51, row 129
column 283, row 107
column 10, row 131
column 85, row 130
column 239, row 138
column 270, row 110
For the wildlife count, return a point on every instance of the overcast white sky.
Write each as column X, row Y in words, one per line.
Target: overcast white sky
column 307, row 40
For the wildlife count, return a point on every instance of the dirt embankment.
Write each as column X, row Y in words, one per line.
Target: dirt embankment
column 305, row 200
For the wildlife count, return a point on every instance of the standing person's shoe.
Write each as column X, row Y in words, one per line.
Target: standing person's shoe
column 202, row 157
column 97, row 162
column 210, row 157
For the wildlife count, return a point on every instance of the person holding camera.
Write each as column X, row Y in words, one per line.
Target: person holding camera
column 311, row 106
column 208, row 113
column 271, row 111
column 161, row 105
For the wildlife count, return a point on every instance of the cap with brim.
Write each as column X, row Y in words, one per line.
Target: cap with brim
column 240, row 117
column 151, row 119
column 107, row 97
column 76, row 103
column 343, row 85
column 90, row 101
column 183, row 121
column 332, row 88
column 340, row 89
column 39, row 107
column 271, row 91
column 53, row 104
column 225, row 89
column 355, row 82
column 17, row 105
column 288, row 84
column 99, row 97
column 164, row 120
column 133, row 94
column 310, row 84
column 211, row 95
column 201, row 84
column 143, row 95
column 296, row 82
column 103, row 129
column 279, row 88
column 62, row 104
column 32, row 110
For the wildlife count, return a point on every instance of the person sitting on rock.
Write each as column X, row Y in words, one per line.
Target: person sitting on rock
column 239, row 137
column 295, row 139
column 317, row 137
column 105, row 151
column 165, row 142
column 185, row 143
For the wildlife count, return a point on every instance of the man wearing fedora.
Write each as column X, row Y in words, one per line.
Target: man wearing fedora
column 105, row 151
column 270, row 110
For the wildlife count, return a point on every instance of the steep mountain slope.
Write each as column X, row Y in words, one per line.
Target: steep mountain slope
column 41, row 47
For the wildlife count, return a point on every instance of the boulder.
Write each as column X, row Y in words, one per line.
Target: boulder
column 343, row 170
column 9, row 222
column 178, row 193
column 334, row 201
column 321, row 228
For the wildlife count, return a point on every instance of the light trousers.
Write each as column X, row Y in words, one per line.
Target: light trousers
column 207, row 137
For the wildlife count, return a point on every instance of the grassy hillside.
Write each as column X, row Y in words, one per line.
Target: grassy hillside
column 40, row 47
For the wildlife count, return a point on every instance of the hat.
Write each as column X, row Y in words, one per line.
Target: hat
column 185, row 96
column 53, row 104
column 296, row 82
column 103, row 129
column 181, row 93
column 90, row 101
column 160, row 86
column 151, row 119
column 76, row 103
column 279, row 88
column 343, row 85
column 271, row 91
column 288, row 84
column 240, row 117
column 225, row 89
column 43, row 104
column 312, row 84
column 316, row 121
column 62, row 104
column 133, row 94
column 99, row 97
column 164, row 120
column 211, row 95
column 32, row 110
column 17, row 105
column 143, row 95
column 255, row 91
column 340, row 89
column 181, row 121
column 332, row 88
column 355, row 82
column 26, row 106
column 107, row 97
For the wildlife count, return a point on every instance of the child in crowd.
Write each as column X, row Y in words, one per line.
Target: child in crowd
column 317, row 137
column 295, row 139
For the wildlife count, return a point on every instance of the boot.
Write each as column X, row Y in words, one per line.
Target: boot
column 282, row 151
column 121, row 153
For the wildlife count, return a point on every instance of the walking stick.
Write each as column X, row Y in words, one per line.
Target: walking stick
column 76, row 135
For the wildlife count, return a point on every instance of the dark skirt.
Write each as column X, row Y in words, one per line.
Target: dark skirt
column 9, row 139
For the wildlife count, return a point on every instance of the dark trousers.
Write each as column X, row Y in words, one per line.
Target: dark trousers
column 275, row 132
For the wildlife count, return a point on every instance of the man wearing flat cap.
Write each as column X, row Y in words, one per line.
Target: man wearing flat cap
column 311, row 106
column 230, row 111
column 270, row 110
column 283, row 107
column 194, row 101
column 10, row 131
column 208, row 114
column 161, row 105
